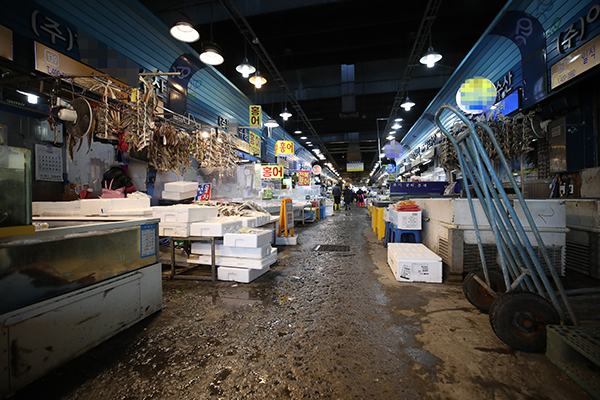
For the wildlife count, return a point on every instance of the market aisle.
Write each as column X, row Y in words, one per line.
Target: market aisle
column 320, row 324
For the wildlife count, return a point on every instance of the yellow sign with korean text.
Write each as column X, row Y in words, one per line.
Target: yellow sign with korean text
column 6, row 45
column 284, row 148
column 303, row 178
column 255, row 117
column 270, row 172
column 53, row 63
column 254, row 144
column 576, row 63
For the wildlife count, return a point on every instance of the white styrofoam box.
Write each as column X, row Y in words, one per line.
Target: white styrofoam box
column 248, row 237
column 177, row 230
column 91, row 207
column 386, row 215
column 286, row 241
column 178, row 195
column 242, row 275
column 184, row 213
column 133, row 212
column 583, row 213
column 129, row 203
column 236, row 262
column 55, row 207
column 239, row 252
column 216, row 227
column 180, row 186
column 414, row 262
column 408, row 220
column 249, row 221
column 328, row 209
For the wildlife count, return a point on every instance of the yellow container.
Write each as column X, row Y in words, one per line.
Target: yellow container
column 379, row 223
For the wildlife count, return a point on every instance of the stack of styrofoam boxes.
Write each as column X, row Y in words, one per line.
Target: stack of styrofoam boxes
column 180, row 190
column 242, row 256
column 414, row 262
column 56, row 208
column 129, row 206
column 177, row 220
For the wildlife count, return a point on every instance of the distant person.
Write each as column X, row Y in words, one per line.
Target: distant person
column 347, row 197
column 337, row 196
column 360, row 196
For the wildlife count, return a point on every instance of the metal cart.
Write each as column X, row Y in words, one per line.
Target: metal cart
column 520, row 297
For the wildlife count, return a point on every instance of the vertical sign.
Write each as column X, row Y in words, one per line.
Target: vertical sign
column 270, row 172
column 255, row 117
column 254, row 141
column 203, row 191
column 284, row 148
column 303, row 178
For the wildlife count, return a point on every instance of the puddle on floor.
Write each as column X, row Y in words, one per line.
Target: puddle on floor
column 240, row 301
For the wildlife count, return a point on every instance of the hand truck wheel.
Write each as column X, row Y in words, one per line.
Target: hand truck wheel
column 519, row 319
column 476, row 294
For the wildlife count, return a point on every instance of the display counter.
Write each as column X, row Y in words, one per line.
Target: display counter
column 449, row 231
column 65, row 289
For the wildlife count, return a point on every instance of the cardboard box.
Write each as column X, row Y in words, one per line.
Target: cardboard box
column 414, row 262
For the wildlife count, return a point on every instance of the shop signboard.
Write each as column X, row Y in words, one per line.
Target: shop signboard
column 316, row 169
column 54, row 63
column 271, row 172
column 254, row 144
column 506, row 106
column 303, row 178
column 256, row 117
column 6, row 49
column 355, row 166
column 576, row 63
column 240, row 144
column 203, row 192
column 391, row 170
column 284, row 148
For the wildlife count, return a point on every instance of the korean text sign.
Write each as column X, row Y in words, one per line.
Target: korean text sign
column 284, row 148
column 203, row 192
column 303, row 178
column 254, row 141
column 255, row 117
column 270, row 172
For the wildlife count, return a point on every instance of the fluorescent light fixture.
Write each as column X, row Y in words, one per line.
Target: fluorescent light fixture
column 396, row 126
column 31, row 98
column 298, row 131
column 398, row 120
column 303, row 137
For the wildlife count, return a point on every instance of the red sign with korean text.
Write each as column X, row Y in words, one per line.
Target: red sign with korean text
column 256, row 117
column 269, row 172
column 303, row 178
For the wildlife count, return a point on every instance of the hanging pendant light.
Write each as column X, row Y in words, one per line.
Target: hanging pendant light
column 184, row 30
column 285, row 114
column 271, row 123
column 431, row 57
column 407, row 104
column 211, row 52
column 245, row 68
column 396, row 126
column 257, row 80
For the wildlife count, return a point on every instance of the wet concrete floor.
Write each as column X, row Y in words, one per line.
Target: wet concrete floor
column 320, row 324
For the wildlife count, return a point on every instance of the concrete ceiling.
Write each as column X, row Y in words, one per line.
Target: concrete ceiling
column 310, row 42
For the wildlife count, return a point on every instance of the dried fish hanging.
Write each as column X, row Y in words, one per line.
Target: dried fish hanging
column 169, row 149
column 140, row 117
column 102, row 113
column 514, row 135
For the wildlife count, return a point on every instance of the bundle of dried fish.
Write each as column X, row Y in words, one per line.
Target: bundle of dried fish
column 232, row 209
column 169, row 149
